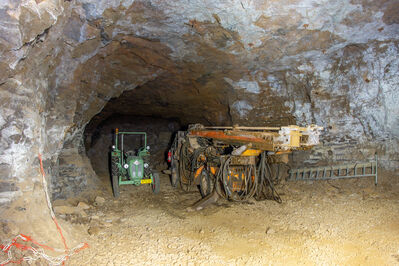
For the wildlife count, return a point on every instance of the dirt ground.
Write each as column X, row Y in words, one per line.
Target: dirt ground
column 345, row 222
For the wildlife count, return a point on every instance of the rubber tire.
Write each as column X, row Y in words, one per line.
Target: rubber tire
column 183, row 172
column 115, row 177
column 205, row 185
column 156, row 185
column 174, row 179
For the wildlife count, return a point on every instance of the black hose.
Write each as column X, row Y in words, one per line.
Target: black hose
column 189, row 164
column 257, row 180
column 266, row 181
column 249, row 186
column 184, row 163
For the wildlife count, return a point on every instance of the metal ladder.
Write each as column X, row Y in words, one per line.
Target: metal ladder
column 356, row 170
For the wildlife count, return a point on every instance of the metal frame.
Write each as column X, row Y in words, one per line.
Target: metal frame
column 122, row 160
column 285, row 138
column 128, row 133
column 245, row 128
column 369, row 169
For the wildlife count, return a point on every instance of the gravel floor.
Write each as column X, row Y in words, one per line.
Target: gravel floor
column 348, row 222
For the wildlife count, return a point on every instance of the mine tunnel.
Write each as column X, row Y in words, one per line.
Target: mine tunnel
column 256, row 132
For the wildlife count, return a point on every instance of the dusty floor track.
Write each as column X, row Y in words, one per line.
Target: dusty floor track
column 349, row 223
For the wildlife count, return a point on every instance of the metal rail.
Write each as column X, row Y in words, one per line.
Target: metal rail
column 243, row 128
column 357, row 170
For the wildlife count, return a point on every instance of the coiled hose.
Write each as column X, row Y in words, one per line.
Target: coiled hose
column 188, row 165
column 248, row 188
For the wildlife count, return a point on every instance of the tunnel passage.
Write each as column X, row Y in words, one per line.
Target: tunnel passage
column 254, row 63
column 208, row 70
column 165, row 105
column 153, row 109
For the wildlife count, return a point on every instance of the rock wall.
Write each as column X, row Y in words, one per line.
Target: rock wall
column 353, row 96
column 333, row 63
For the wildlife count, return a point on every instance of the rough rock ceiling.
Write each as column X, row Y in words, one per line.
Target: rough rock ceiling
column 220, row 62
column 250, row 62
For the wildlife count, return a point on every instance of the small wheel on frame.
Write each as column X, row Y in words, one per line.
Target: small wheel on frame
column 156, row 184
column 205, row 184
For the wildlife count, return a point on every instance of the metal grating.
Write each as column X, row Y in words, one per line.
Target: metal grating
column 356, row 170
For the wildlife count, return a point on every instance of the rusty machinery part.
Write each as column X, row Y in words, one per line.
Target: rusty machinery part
column 192, row 161
column 173, row 158
column 267, row 180
column 274, row 139
column 174, row 179
column 235, row 178
column 185, row 173
column 205, row 183
column 236, row 182
column 240, row 162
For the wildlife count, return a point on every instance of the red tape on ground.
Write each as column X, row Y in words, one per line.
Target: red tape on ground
column 26, row 238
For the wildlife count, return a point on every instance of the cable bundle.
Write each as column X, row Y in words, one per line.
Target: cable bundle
column 266, row 184
column 249, row 182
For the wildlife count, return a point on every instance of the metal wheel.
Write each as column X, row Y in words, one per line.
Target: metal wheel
column 205, row 185
column 175, row 173
column 184, row 169
column 156, row 184
column 115, row 177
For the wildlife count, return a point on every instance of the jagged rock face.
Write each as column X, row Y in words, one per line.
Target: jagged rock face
column 333, row 63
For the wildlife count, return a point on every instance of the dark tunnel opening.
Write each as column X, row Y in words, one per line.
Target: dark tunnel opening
column 160, row 131
column 160, row 108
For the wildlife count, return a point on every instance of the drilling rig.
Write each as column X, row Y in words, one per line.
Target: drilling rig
column 234, row 162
